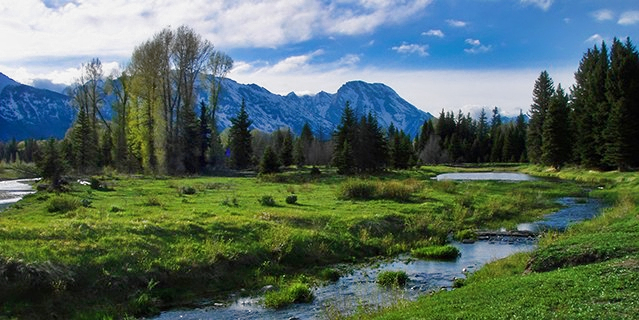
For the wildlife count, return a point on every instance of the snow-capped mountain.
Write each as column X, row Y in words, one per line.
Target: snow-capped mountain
column 322, row 111
column 27, row 112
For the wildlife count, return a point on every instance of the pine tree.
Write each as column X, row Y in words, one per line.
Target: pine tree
column 556, row 138
column 591, row 107
column 51, row 164
column 269, row 162
column 205, row 135
column 542, row 93
column 286, row 151
column 240, row 139
column 344, row 138
column 622, row 84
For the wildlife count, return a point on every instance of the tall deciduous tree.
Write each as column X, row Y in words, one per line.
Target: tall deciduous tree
column 542, row 93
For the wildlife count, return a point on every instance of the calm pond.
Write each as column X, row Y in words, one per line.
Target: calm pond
column 359, row 289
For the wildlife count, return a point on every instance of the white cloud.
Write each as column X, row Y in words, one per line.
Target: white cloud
column 434, row 33
column 476, row 47
column 629, row 18
column 456, row 23
column 541, row 4
column 407, row 48
column 595, row 38
column 65, row 76
column 429, row 90
column 603, row 15
column 29, row 29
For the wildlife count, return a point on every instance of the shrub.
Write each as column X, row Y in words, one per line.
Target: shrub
column 446, row 252
column 329, row 274
column 315, row 171
column 153, row 201
column 397, row 190
column 267, row 201
column 295, row 293
column 465, row 234
column 392, row 278
column 291, row 199
column 356, row 189
column 187, row 190
column 63, row 204
column 85, row 203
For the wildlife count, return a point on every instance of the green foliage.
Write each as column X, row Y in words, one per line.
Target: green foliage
column 240, row 139
column 360, row 189
column 296, row 292
column 269, row 163
column 446, row 252
column 267, row 201
column 63, row 204
column 542, row 93
column 392, row 278
column 291, row 199
column 466, row 234
column 51, row 165
column 330, row 274
column 556, row 140
column 189, row 190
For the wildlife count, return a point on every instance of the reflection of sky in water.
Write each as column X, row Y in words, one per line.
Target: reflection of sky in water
column 483, row 176
column 11, row 191
column 360, row 289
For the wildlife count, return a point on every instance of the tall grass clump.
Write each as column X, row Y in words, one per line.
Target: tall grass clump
column 393, row 279
column 63, row 204
column 357, row 189
column 294, row 293
column 446, row 252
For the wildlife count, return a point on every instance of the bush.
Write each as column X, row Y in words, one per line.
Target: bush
column 315, row 171
column 356, row 189
column 267, row 201
column 63, row 204
column 466, row 234
column 295, row 293
column 187, row 190
column 446, row 252
column 392, row 279
column 153, row 202
column 329, row 274
column 291, row 199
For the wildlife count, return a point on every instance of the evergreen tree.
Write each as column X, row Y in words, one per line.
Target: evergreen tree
column 622, row 84
column 51, row 164
column 372, row 150
column 344, row 137
column 556, row 138
column 205, row 134
column 427, row 130
column 542, row 93
column 590, row 106
column 286, row 151
column 85, row 144
column 269, row 162
column 240, row 139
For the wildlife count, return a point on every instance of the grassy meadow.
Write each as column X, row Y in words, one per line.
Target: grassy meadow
column 589, row 272
column 130, row 246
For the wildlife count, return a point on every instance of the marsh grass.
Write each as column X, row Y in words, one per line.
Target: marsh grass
column 221, row 238
column 446, row 252
column 392, row 279
column 296, row 292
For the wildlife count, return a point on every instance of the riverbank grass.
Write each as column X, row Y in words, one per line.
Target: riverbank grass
column 446, row 252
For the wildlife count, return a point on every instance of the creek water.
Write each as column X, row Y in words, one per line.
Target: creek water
column 499, row 176
column 11, row 191
column 359, row 288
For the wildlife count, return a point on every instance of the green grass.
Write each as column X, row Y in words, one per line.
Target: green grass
column 392, row 279
column 589, row 272
column 446, row 252
column 296, row 292
column 219, row 238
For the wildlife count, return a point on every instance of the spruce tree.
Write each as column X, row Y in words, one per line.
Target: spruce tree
column 286, row 150
column 556, row 138
column 344, row 138
column 269, row 162
column 240, row 139
column 622, row 84
column 51, row 164
column 542, row 93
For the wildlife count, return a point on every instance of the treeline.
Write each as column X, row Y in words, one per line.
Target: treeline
column 595, row 126
column 158, row 127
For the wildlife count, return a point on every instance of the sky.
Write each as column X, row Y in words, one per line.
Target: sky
column 453, row 55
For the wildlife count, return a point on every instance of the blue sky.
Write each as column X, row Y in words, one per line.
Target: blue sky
column 458, row 54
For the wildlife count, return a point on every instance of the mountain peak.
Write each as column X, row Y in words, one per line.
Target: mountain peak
column 6, row 81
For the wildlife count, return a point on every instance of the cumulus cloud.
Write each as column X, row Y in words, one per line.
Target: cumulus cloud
column 434, row 33
column 476, row 47
column 456, row 23
column 541, row 4
column 603, row 15
column 629, row 18
column 407, row 48
column 37, row 29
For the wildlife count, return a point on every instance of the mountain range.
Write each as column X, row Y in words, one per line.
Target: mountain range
column 28, row 112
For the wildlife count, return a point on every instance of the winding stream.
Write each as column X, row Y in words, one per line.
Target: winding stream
column 11, row 191
column 359, row 289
